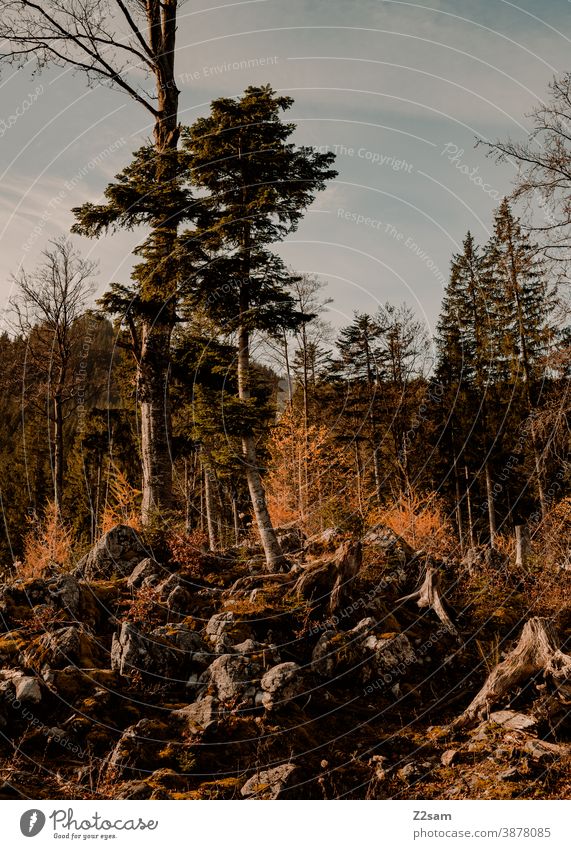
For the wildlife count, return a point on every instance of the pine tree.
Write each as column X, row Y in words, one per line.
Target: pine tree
column 524, row 304
column 258, row 184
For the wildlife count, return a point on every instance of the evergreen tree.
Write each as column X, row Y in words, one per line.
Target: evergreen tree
column 257, row 185
column 524, row 304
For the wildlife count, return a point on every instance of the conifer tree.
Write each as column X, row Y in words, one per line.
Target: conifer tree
column 257, row 184
column 524, row 305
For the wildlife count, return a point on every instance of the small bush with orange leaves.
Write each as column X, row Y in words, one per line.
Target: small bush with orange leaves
column 122, row 502
column 48, row 545
column 422, row 521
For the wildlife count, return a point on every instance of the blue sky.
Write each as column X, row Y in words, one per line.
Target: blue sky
column 400, row 90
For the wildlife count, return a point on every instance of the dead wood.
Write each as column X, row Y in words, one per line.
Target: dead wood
column 429, row 595
column 330, row 578
column 537, row 651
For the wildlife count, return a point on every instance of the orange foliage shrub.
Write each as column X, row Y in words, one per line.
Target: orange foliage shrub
column 305, row 473
column 121, row 504
column 422, row 521
column 47, row 544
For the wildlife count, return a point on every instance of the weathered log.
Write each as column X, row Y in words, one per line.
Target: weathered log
column 536, row 651
column 329, row 579
column 429, row 595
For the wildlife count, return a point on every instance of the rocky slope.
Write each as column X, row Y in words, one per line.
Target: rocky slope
column 132, row 678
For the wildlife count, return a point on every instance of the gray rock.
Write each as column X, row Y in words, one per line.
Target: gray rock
column 178, row 600
column 232, row 678
column 512, row 720
column 199, row 715
column 133, row 651
column 65, row 591
column 182, row 637
column 270, row 783
column 509, row 774
column 116, row 553
column 147, row 568
column 64, row 647
column 281, row 683
column 409, row 773
column 28, row 689
column 448, row 757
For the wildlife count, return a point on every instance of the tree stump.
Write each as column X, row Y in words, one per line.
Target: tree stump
column 536, row 651
column 330, row 578
column 429, row 595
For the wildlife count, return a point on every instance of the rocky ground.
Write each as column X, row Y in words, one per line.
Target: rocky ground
column 136, row 677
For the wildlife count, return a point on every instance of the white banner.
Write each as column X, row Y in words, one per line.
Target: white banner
column 298, row 824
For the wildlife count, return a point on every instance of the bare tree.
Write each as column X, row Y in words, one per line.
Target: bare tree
column 112, row 42
column 544, row 167
column 48, row 306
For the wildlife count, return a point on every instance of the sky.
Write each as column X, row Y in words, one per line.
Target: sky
column 399, row 91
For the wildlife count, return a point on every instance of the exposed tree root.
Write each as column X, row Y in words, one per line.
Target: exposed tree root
column 429, row 595
column 536, row 651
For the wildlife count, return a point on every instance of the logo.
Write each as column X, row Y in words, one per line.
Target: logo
column 32, row 822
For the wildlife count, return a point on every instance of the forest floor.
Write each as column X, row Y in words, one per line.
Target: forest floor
column 137, row 677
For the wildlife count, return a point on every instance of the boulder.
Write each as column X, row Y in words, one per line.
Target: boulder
column 147, row 568
column 270, row 783
column 199, row 715
column 280, row 684
column 132, row 651
column 28, row 689
column 232, row 678
column 169, row 652
column 65, row 591
column 115, row 554
column 224, row 630
column 362, row 651
column 64, row 647
column 178, row 600
column 137, row 748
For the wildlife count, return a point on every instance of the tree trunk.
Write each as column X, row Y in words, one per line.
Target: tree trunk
column 58, row 453
column 469, row 508
column 153, row 390
column 429, row 595
column 158, row 292
column 270, row 544
column 235, row 519
column 491, row 505
column 211, row 512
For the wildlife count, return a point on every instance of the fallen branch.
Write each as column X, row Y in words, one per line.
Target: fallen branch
column 536, row 651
